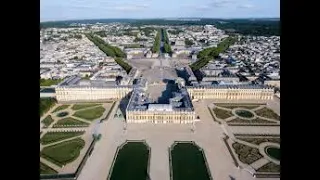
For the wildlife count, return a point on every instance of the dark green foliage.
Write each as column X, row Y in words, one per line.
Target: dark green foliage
column 131, row 162
column 123, row 64
column 49, row 82
column 208, row 54
column 46, row 104
column 110, row 51
column 175, row 31
column 156, row 43
column 44, row 169
column 188, row 42
column 167, row 47
column 106, row 48
column 101, row 33
column 188, row 163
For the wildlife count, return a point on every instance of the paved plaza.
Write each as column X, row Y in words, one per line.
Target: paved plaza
column 207, row 133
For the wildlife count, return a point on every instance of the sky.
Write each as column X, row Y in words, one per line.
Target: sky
column 55, row 10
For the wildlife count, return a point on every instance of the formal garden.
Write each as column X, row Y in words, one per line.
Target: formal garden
column 64, row 135
column 244, row 114
column 259, row 152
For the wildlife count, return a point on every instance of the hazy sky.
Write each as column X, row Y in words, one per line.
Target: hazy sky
column 101, row 9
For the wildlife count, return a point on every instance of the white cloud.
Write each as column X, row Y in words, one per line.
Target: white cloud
column 221, row 3
column 246, row 6
column 130, row 7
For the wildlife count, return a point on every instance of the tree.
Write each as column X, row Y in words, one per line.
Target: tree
column 208, row 54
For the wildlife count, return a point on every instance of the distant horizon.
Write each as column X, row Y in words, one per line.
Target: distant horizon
column 160, row 18
column 64, row 10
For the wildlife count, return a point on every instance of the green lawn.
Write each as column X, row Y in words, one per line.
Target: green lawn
column 49, row 82
column 221, row 113
column 82, row 106
column 46, row 104
column 131, row 162
column 267, row 113
column 63, row 153
column 233, row 106
column 62, row 107
column 188, row 163
column 246, row 154
column 51, row 137
column 47, row 121
column 44, row 169
column 90, row 114
column 70, row 122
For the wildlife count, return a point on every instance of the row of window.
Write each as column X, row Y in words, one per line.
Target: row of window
column 161, row 117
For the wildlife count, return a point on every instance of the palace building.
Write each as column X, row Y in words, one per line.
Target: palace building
column 142, row 110
column 236, row 91
column 75, row 89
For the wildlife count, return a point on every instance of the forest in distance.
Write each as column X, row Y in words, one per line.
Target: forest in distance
column 256, row 27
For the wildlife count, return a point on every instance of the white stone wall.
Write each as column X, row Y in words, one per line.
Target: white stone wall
column 65, row 94
column 241, row 94
column 161, row 117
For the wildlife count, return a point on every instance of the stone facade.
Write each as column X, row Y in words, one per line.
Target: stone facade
column 72, row 94
column 231, row 93
column 161, row 117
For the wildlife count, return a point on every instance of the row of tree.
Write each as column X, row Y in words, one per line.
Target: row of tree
column 105, row 47
column 166, row 46
column 208, row 54
column 112, row 51
column 156, row 43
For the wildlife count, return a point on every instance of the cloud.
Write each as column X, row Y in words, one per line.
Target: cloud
column 245, row 6
column 212, row 5
column 130, row 7
column 221, row 3
column 201, row 7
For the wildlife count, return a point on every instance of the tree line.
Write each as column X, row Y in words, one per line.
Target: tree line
column 208, row 54
column 156, row 43
column 111, row 51
column 166, row 46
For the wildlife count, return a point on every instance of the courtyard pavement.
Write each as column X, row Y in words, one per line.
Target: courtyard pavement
column 208, row 135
